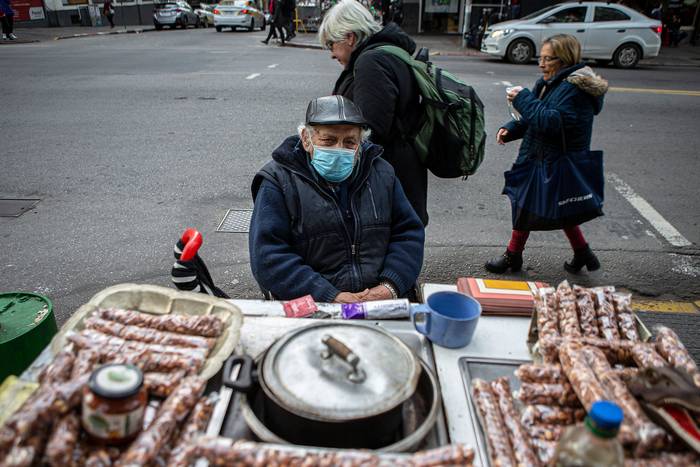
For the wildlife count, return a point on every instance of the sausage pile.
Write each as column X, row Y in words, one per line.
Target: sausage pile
column 590, row 347
column 169, row 349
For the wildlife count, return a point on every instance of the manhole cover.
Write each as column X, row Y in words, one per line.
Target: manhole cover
column 236, row 221
column 16, row 207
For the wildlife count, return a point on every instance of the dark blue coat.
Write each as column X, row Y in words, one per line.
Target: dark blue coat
column 574, row 96
column 6, row 8
column 310, row 237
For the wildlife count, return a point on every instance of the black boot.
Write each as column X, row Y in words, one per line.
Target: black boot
column 509, row 260
column 582, row 257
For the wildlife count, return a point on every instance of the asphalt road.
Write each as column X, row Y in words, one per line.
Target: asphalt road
column 127, row 140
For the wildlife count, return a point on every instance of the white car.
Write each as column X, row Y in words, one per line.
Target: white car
column 606, row 32
column 206, row 15
column 238, row 14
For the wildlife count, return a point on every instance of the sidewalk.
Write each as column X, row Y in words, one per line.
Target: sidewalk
column 29, row 35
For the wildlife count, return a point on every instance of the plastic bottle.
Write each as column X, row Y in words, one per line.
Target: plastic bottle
column 593, row 443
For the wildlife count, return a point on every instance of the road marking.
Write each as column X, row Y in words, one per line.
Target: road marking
column 219, row 52
column 506, row 83
column 658, row 306
column 274, row 65
column 674, row 92
column 253, row 76
column 669, row 232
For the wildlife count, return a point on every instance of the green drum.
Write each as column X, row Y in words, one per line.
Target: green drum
column 27, row 325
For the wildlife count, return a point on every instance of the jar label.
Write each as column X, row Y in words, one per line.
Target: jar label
column 112, row 426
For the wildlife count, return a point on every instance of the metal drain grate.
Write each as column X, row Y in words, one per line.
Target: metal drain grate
column 16, row 207
column 236, row 221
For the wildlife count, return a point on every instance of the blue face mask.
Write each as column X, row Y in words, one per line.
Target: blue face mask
column 333, row 164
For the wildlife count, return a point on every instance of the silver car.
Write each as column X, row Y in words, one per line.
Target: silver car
column 173, row 14
column 239, row 14
column 606, row 32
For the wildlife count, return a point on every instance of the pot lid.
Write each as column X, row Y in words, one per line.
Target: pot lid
column 339, row 371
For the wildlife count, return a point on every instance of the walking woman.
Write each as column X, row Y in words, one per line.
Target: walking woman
column 556, row 181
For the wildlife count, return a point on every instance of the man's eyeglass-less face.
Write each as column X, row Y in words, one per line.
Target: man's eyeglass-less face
column 547, row 58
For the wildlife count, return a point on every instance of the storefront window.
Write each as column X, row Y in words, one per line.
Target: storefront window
column 441, row 16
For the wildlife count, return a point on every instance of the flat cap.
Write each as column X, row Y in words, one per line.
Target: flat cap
column 333, row 110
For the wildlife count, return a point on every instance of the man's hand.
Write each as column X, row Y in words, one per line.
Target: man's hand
column 377, row 293
column 512, row 92
column 502, row 133
column 349, row 297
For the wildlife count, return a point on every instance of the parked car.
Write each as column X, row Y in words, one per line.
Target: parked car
column 173, row 14
column 606, row 32
column 239, row 14
column 206, row 15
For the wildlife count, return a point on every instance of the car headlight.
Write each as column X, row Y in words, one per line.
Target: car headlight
column 501, row 33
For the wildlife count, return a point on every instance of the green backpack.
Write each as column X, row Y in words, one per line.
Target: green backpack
column 450, row 136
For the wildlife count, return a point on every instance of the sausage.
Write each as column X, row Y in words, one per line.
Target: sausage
column 551, row 415
column 453, row 454
column 645, row 356
column 545, row 449
column 195, row 426
column 545, row 432
column 98, row 338
column 500, row 450
column 59, row 370
column 548, row 373
column 625, row 316
column 669, row 345
column 199, row 325
column 173, row 411
column 626, row 374
column 148, row 335
column 548, row 394
column 651, row 437
column 568, row 317
column 546, row 307
column 62, row 442
column 524, row 454
column 586, row 312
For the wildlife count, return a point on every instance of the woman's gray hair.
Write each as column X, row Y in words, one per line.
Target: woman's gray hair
column 347, row 16
column 364, row 134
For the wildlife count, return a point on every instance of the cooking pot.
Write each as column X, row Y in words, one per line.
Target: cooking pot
column 335, row 385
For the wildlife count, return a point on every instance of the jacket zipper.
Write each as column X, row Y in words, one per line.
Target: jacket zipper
column 371, row 197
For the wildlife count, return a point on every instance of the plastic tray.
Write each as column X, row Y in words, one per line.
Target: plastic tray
column 161, row 300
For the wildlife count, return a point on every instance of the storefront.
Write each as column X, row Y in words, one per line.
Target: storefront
column 89, row 12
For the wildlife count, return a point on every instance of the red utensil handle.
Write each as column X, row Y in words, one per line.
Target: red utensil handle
column 192, row 240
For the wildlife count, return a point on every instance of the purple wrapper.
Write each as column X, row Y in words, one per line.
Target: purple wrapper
column 353, row 311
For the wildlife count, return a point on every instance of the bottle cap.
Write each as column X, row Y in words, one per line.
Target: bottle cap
column 605, row 418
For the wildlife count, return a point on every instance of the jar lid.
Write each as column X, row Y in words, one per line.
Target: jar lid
column 340, row 371
column 116, row 381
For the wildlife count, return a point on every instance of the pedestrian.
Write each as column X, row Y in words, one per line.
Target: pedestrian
column 292, row 14
column 108, row 10
column 276, row 28
column 555, row 125
column 330, row 219
column 657, row 12
column 7, row 18
column 674, row 29
column 382, row 86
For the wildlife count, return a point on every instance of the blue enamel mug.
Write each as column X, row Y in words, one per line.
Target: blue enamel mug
column 448, row 318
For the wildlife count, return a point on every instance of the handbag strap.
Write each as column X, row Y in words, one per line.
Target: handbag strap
column 563, row 135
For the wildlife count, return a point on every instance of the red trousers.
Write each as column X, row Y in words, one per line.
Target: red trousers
column 518, row 239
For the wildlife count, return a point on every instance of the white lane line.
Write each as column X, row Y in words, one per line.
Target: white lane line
column 669, row 232
column 219, row 52
column 274, row 65
column 506, row 83
column 253, row 76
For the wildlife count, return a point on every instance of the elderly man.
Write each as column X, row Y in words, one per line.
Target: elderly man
column 330, row 219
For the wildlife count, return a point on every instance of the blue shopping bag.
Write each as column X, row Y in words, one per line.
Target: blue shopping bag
column 555, row 193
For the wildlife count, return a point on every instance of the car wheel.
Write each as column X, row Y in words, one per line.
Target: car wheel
column 252, row 25
column 601, row 62
column 218, row 29
column 627, row 56
column 196, row 23
column 520, row 51
column 264, row 25
column 159, row 27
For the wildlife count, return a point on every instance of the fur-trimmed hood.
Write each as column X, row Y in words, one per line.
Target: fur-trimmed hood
column 587, row 81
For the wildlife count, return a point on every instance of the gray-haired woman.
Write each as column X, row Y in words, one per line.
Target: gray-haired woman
column 382, row 86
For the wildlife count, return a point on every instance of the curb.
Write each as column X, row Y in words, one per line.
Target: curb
column 104, row 33
column 19, row 41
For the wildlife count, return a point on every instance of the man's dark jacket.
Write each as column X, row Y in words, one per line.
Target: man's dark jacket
column 306, row 238
column 384, row 89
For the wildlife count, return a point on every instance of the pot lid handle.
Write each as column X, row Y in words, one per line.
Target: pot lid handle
column 336, row 347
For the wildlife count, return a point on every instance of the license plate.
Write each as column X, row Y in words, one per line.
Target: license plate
column 166, row 13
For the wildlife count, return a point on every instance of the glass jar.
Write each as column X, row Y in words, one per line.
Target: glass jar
column 114, row 401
